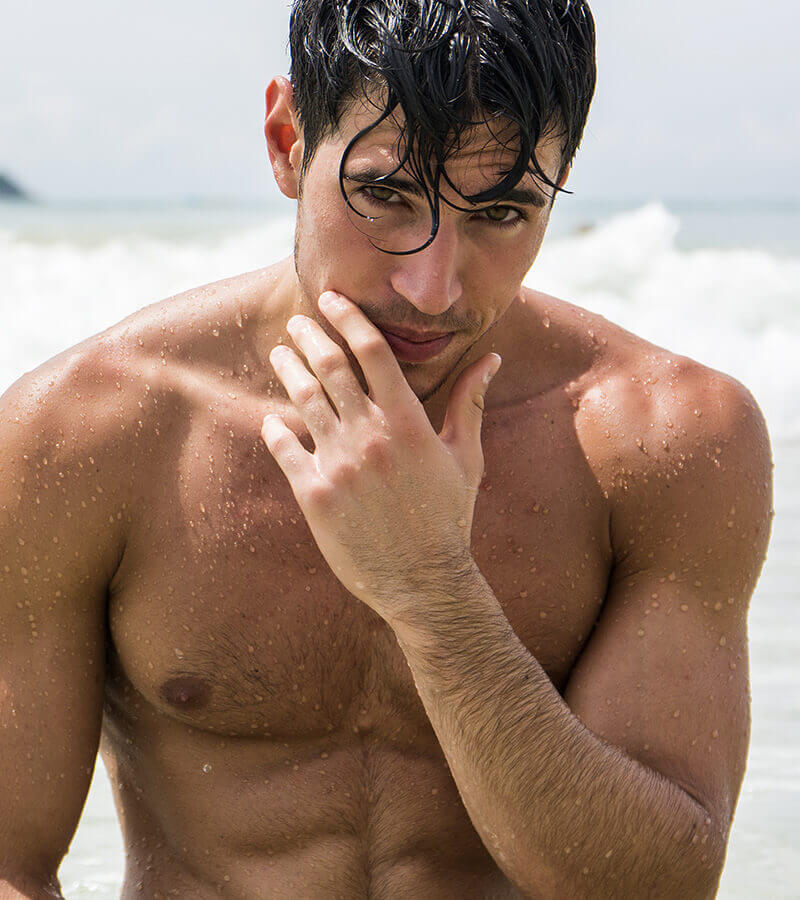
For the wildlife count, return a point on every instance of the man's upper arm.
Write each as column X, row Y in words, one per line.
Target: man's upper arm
column 60, row 541
column 665, row 674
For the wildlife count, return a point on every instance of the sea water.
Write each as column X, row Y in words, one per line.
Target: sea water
column 718, row 283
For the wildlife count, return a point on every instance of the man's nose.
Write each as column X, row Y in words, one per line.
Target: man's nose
column 431, row 279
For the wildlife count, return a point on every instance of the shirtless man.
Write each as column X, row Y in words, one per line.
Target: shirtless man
column 343, row 620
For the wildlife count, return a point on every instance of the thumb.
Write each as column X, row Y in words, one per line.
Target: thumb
column 464, row 415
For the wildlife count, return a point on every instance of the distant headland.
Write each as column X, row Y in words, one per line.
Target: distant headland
column 11, row 191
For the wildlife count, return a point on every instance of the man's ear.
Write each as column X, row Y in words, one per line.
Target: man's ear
column 284, row 136
column 563, row 180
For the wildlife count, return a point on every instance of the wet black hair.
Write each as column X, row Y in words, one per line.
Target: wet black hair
column 448, row 65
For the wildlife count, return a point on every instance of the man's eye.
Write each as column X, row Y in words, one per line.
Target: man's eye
column 501, row 214
column 381, row 194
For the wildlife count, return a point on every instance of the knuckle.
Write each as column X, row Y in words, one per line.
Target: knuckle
column 330, row 361
column 318, row 494
column 278, row 442
column 375, row 451
column 307, row 393
column 373, row 346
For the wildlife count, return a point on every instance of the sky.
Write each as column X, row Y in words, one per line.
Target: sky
column 164, row 99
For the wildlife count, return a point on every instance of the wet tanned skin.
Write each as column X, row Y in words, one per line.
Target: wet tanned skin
column 243, row 678
column 261, row 726
column 262, row 731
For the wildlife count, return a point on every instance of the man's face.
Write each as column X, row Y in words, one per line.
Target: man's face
column 463, row 281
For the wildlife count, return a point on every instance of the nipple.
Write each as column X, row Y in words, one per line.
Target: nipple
column 185, row 692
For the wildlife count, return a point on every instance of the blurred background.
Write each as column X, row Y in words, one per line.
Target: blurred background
column 132, row 167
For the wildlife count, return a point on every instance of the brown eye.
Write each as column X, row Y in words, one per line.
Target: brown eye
column 498, row 213
column 382, row 194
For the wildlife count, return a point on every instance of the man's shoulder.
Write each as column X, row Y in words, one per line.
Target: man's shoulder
column 111, row 389
column 646, row 416
column 85, row 397
column 655, row 410
column 63, row 453
column 73, row 437
column 670, row 439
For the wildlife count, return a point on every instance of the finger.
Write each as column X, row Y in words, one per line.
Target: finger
column 330, row 364
column 286, row 448
column 464, row 415
column 305, row 392
column 378, row 363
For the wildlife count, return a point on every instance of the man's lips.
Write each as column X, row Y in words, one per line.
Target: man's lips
column 415, row 337
column 415, row 351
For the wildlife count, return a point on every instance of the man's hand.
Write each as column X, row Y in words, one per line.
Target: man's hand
column 388, row 501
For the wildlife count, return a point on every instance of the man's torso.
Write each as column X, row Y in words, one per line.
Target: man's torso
column 262, row 729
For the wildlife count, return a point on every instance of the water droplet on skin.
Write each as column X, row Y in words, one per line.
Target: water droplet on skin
column 207, row 768
column 546, row 321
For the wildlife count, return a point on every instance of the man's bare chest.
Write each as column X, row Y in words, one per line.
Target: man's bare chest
column 226, row 616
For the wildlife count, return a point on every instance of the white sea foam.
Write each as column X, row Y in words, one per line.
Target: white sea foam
column 57, row 293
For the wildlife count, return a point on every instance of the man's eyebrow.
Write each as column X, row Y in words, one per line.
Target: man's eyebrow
column 375, row 176
column 524, row 196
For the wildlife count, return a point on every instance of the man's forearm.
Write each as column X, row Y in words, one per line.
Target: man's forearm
column 562, row 812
